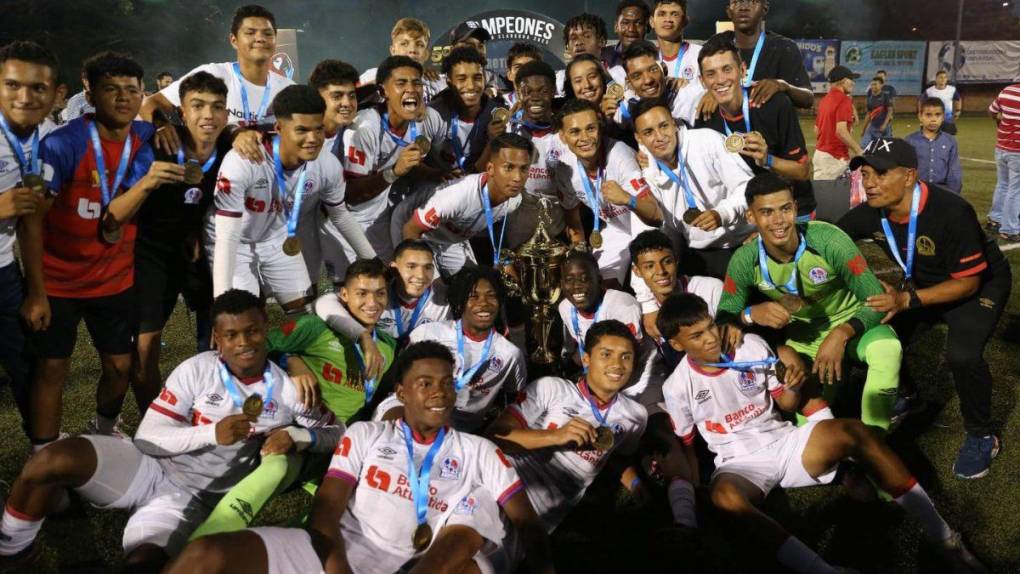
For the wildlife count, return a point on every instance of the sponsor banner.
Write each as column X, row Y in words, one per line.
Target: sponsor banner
column 820, row 57
column 903, row 62
column 285, row 60
column 978, row 62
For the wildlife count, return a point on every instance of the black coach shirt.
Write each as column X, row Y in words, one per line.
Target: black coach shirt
column 780, row 59
column 950, row 243
column 175, row 212
column 777, row 121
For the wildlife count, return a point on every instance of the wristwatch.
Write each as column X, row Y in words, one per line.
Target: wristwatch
column 389, row 175
column 915, row 301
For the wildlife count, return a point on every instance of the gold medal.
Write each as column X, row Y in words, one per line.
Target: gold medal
column 734, row 143
column 34, row 182
column 780, row 372
column 604, row 439
column 614, row 91
column 691, row 214
column 759, row 134
column 292, row 245
column 423, row 144
column 595, row 240
column 422, row 537
column 500, row 115
column 193, row 173
column 791, row 302
column 252, row 406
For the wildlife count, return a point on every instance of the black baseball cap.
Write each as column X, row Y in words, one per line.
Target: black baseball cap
column 468, row 29
column 886, row 153
column 841, row 73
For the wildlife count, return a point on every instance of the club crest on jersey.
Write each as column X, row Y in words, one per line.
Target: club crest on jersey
column 309, row 184
column 689, row 73
column 818, row 275
column 466, row 506
column 450, row 468
column 617, row 429
column 193, row 196
column 495, row 364
column 270, row 409
column 553, row 155
column 747, row 382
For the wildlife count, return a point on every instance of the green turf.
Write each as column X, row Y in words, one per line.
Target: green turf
column 872, row 537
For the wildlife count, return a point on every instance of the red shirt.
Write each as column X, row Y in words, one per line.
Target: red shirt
column 835, row 107
column 1008, row 104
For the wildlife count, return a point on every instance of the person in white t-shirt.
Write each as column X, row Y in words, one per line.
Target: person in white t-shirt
column 197, row 439
column 678, row 56
column 732, row 400
column 252, row 84
column 698, row 184
column 410, row 37
column 252, row 234
column 474, row 205
column 488, row 364
column 647, row 79
column 400, row 496
column 603, row 175
column 950, row 97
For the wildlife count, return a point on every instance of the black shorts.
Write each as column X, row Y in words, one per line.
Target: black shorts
column 111, row 322
column 161, row 275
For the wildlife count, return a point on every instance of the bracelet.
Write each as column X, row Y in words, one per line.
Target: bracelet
column 389, row 175
column 768, row 161
column 632, row 203
column 635, row 483
column 915, row 300
column 746, row 316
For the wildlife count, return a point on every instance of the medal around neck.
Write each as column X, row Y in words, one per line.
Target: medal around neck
column 734, row 143
column 500, row 115
column 423, row 144
column 252, row 406
column 595, row 240
column 604, row 438
column 292, row 245
column 34, row 182
column 422, row 537
column 193, row 173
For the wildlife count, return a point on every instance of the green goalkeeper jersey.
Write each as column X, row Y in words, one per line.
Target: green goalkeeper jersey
column 329, row 355
column 832, row 277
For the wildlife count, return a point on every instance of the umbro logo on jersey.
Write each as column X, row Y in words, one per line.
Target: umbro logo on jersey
column 571, row 411
column 386, row 453
column 3, row 165
column 213, row 399
column 702, row 396
column 261, row 183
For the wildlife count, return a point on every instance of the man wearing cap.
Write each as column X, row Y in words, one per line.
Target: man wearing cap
column 952, row 274
column 833, row 126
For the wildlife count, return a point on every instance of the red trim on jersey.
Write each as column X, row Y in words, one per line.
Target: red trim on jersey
column 420, row 439
column 730, row 118
column 971, row 257
column 807, row 413
column 21, row 515
column 582, row 385
column 517, row 414
column 347, row 477
column 167, row 412
column 903, row 489
column 700, row 371
column 226, row 213
column 920, row 208
column 688, row 438
column 421, row 224
column 777, row 393
column 509, row 492
column 970, row 272
column 480, row 339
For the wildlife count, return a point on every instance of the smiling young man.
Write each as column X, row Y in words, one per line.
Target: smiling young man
column 266, row 212
column 385, row 160
column 952, row 274
column 602, row 174
column 194, row 442
column 818, row 285
column 466, row 110
column 647, row 81
column 732, row 401
column 28, row 87
column 517, row 55
column 488, row 364
column 582, row 34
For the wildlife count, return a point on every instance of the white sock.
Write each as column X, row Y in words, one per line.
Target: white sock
column 822, row 414
column 916, row 502
column 796, row 556
column 36, row 447
column 105, row 425
column 681, row 501
column 17, row 532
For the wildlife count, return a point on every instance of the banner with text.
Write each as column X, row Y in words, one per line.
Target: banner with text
column 902, row 61
column 979, row 62
column 820, row 57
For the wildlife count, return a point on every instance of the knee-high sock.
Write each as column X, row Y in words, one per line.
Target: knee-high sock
column 882, row 352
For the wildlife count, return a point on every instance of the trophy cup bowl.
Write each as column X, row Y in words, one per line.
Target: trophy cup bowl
column 539, row 263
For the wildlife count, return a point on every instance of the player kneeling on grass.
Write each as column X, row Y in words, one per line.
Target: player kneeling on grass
column 199, row 438
column 400, row 495
column 732, row 401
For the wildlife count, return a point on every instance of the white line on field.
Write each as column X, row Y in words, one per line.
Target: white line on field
column 976, row 160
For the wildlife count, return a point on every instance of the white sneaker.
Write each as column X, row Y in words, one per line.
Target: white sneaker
column 92, row 427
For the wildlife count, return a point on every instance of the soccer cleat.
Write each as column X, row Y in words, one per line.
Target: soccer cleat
column 905, row 406
column 92, row 427
column 975, row 457
column 959, row 557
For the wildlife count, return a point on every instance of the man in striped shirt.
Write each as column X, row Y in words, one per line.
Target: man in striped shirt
column 1005, row 214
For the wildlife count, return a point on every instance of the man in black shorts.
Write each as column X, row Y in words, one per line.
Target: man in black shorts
column 168, row 258
column 953, row 274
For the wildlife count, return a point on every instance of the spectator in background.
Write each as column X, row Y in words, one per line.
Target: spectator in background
column 1005, row 214
column 888, row 88
column 410, row 37
column 880, row 112
column 835, row 118
column 163, row 79
column 520, row 53
column 78, row 104
column 950, row 97
column 938, row 157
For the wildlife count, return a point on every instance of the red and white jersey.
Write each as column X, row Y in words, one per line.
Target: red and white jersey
column 372, row 150
column 435, row 308
column 250, row 191
column 556, row 478
column 687, row 68
column 506, row 370
column 548, row 147
column 683, row 104
column 733, row 410
column 615, row 305
column 455, row 213
column 235, row 105
column 380, row 518
column 708, row 288
column 620, row 166
column 10, row 176
column 196, row 398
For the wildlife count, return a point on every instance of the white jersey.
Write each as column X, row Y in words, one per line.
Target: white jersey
column 540, row 184
column 717, row 179
column 380, row 519
column 947, row 94
column 556, row 478
column 235, row 85
column 10, row 176
column 504, row 370
column 620, row 166
column 456, row 213
column 683, row 104
column 688, row 68
column 250, row 191
column 708, row 288
column 434, row 308
column 733, row 410
column 197, row 398
column 615, row 305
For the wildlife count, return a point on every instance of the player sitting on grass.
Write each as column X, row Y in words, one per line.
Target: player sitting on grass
column 336, row 365
column 203, row 433
column 400, row 495
column 732, row 401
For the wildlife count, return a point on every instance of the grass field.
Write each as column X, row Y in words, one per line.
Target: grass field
column 618, row 537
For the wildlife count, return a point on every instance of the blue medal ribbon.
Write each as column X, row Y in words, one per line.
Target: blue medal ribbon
column 458, row 149
column 745, row 109
column 749, row 78
column 125, row 160
column 791, row 285
column 908, row 267
column 418, row 307
column 281, row 184
column 263, row 106
column 401, row 142
column 593, row 193
column 205, row 167
column 602, row 419
column 680, row 180
column 518, row 118
column 419, row 479
column 745, row 366
column 489, row 221
column 577, row 325
column 679, row 58
column 370, row 384
column 29, row 165
column 232, row 386
column 466, row 375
